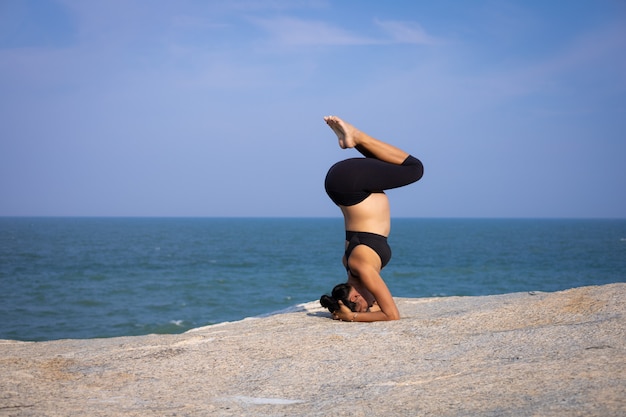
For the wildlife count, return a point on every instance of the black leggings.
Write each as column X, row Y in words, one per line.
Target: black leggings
column 351, row 181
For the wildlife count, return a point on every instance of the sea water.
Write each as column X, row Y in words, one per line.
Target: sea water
column 104, row 277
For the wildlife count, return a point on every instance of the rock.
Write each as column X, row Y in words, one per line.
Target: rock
column 523, row 354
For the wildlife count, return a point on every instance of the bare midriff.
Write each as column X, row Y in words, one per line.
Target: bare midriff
column 359, row 218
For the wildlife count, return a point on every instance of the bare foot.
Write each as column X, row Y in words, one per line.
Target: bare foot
column 346, row 133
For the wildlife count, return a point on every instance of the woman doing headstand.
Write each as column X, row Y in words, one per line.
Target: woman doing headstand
column 356, row 185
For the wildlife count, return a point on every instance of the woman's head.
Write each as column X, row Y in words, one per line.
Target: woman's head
column 341, row 293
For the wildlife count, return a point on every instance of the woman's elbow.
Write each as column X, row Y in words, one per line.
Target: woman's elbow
column 393, row 316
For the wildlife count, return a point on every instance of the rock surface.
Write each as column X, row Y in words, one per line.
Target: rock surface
column 523, row 354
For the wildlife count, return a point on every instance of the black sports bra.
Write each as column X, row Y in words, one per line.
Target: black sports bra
column 372, row 240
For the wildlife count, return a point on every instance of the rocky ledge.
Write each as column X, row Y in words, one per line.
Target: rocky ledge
column 522, row 354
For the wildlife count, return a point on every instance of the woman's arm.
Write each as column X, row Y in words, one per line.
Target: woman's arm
column 345, row 314
column 364, row 265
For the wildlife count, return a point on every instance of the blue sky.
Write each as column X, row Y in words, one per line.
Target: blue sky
column 214, row 108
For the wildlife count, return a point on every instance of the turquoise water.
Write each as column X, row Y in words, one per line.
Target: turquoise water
column 103, row 277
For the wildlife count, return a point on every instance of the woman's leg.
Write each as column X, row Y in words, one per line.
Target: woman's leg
column 351, row 181
column 351, row 137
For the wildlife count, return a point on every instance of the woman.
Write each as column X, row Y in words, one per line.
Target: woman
column 356, row 185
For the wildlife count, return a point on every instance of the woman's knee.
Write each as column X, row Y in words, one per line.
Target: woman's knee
column 416, row 166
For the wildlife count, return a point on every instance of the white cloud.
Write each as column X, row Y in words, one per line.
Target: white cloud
column 406, row 32
column 293, row 31
column 592, row 65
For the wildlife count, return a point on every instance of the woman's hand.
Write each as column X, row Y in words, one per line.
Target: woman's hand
column 344, row 313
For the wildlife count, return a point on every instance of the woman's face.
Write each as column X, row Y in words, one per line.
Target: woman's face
column 356, row 298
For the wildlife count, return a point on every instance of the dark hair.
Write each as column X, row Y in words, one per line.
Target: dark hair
column 340, row 293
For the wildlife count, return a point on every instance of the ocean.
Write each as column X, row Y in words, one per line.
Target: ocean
column 104, row 277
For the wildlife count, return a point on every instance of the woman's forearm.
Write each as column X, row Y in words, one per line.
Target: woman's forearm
column 370, row 316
